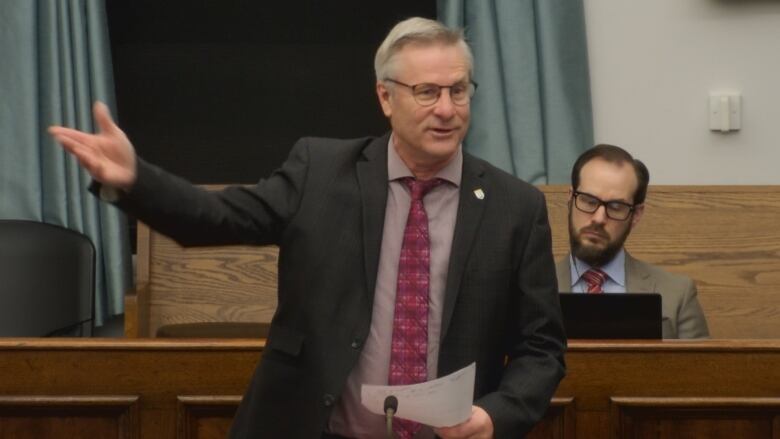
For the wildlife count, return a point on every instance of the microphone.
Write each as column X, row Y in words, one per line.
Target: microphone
column 391, row 406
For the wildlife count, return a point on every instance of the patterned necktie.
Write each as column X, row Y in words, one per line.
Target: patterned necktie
column 595, row 279
column 409, row 350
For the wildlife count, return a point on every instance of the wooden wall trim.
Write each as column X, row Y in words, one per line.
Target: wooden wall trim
column 698, row 402
column 195, row 411
column 711, row 345
column 125, row 402
column 50, row 414
column 711, row 417
column 129, row 344
column 591, row 346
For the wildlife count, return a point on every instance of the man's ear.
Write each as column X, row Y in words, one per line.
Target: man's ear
column 384, row 98
column 639, row 209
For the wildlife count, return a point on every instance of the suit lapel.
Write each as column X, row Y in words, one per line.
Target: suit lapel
column 372, row 179
column 470, row 210
column 637, row 279
column 564, row 274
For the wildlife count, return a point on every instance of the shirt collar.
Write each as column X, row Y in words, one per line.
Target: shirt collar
column 615, row 269
column 396, row 168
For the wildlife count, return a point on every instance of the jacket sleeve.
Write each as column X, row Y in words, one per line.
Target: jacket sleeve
column 193, row 216
column 690, row 318
column 535, row 363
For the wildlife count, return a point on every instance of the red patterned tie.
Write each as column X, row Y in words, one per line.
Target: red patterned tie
column 409, row 351
column 595, row 279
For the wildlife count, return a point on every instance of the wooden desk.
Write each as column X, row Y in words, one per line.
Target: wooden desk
column 672, row 389
column 153, row 388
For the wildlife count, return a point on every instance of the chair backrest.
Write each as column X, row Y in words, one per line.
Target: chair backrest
column 47, row 280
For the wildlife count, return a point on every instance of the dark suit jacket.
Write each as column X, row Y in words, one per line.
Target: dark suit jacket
column 682, row 314
column 325, row 209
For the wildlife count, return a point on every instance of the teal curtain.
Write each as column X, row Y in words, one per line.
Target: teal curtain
column 531, row 115
column 55, row 62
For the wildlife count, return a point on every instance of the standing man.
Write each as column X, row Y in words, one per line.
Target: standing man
column 401, row 258
column 608, row 188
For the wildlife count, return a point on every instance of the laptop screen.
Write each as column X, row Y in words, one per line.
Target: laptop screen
column 612, row 315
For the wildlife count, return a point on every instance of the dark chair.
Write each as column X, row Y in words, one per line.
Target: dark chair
column 47, row 281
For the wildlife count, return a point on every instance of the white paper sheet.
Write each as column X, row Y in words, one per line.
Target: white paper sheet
column 443, row 402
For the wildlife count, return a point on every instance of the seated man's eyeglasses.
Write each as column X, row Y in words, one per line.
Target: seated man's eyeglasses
column 616, row 210
column 428, row 94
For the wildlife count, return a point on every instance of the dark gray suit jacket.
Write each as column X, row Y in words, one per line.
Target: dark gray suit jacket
column 325, row 209
column 681, row 312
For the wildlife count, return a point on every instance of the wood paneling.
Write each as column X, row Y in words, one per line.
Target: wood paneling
column 713, row 418
column 725, row 237
column 205, row 417
column 152, row 388
column 206, row 284
column 35, row 417
column 43, row 375
column 558, row 423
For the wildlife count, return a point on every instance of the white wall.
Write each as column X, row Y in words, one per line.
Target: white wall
column 653, row 64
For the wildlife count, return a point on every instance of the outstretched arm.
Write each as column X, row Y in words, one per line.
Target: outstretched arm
column 108, row 155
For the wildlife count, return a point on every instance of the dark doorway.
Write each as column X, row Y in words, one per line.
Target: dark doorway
column 218, row 91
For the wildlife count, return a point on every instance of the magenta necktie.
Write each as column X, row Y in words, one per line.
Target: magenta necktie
column 409, row 351
column 595, row 279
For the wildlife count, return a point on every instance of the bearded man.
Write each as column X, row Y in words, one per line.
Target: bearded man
column 607, row 195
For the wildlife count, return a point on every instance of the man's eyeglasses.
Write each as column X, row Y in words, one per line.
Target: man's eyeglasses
column 616, row 210
column 428, row 94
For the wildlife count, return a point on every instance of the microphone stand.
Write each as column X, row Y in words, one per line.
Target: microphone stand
column 391, row 406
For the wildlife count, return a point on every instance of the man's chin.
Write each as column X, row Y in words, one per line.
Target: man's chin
column 593, row 245
column 590, row 253
column 441, row 150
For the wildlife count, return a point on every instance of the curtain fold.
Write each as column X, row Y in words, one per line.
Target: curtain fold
column 531, row 115
column 56, row 62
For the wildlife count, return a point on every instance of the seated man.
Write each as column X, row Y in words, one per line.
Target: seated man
column 608, row 188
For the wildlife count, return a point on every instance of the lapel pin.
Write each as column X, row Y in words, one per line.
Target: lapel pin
column 479, row 193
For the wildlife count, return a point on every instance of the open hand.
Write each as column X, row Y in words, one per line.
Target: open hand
column 108, row 156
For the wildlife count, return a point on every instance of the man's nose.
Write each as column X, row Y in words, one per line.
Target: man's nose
column 600, row 215
column 444, row 107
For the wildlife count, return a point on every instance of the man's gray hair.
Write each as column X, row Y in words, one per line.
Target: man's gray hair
column 420, row 31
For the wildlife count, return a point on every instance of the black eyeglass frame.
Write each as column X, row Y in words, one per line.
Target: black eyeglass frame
column 472, row 88
column 631, row 207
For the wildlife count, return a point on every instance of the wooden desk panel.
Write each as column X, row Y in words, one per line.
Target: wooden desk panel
column 152, row 388
column 674, row 389
column 158, row 379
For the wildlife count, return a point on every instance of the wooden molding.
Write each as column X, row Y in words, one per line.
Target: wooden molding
column 205, row 416
column 558, row 422
column 710, row 417
column 105, row 416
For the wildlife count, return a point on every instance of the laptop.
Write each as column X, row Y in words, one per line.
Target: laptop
column 612, row 315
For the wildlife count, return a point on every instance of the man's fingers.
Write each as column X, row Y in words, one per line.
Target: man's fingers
column 74, row 147
column 479, row 425
column 86, row 156
column 457, row 431
column 103, row 118
column 61, row 133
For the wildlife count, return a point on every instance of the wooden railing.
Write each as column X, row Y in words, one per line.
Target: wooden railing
column 153, row 388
